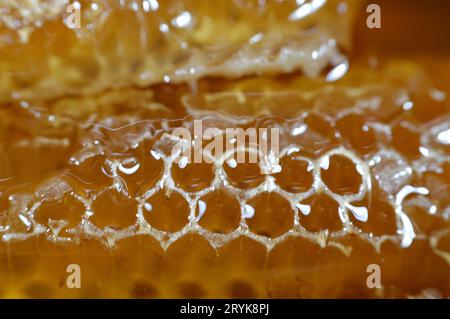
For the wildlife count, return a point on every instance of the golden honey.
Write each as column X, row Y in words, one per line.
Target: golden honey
column 88, row 122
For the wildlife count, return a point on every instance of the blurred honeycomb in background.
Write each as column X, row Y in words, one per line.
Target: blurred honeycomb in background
column 87, row 127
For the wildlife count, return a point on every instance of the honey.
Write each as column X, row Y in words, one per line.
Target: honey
column 88, row 128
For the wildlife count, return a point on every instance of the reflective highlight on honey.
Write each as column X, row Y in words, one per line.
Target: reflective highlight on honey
column 88, row 125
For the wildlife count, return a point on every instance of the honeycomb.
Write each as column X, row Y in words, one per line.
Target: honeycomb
column 129, row 42
column 93, row 177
